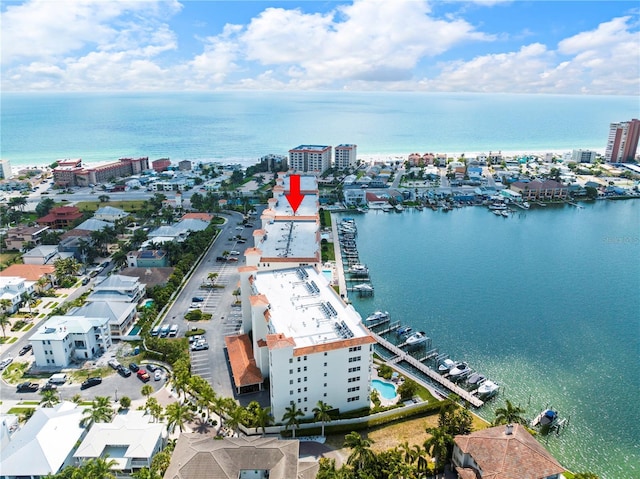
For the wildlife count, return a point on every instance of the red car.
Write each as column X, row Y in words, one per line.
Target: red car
column 143, row 375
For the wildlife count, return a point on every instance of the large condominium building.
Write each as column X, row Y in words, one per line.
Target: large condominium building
column 314, row 159
column 583, row 156
column 345, row 157
column 309, row 343
column 72, row 173
column 622, row 143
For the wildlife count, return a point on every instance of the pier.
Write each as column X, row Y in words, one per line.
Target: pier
column 401, row 355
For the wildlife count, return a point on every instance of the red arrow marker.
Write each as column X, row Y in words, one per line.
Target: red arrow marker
column 294, row 197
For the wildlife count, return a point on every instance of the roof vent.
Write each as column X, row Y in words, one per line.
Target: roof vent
column 508, row 430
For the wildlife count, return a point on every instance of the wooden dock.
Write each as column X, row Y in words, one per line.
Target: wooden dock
column 402, row 356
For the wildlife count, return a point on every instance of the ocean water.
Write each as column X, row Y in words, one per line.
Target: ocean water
column 242, row 127
column 544, row 302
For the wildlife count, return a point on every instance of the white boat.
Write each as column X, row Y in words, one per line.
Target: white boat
column 404, row 330
column 416, row 338
column 496, row 212
column 548, row 418
column 504, row 213
column 526, row 205
column 358, row 269
column 460, row 370
column 476, row 378
column 497, row 206
column 446, row 365
column 487, row 389
column 363, row 287
column 377, row 316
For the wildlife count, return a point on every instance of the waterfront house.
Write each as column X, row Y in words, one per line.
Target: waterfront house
column 503, row 451
column 197, row 456
column 64, row 339
column 542, row 190
column 12, row 288
column 45, row 444
column 130, row 440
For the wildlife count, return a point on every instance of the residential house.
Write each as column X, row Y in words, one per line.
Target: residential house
column 543, row 190
column 44, row 254
column 354, row 196
column 64, row 339
column 21, row 236
column 503, row 451
column 31, row 273
column 61, row 217
column 93, row 224
column 130, row 440
column 176, row 232
column 12, row 288
column 110, row 214
column 45, row 444
column 156, row 258
column 196, row 455
column 121, row 315
column 118, row 288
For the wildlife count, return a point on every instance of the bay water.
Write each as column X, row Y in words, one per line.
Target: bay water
column 544, row 302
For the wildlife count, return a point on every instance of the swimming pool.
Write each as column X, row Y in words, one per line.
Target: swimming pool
column 385, row 389
column 328, row 274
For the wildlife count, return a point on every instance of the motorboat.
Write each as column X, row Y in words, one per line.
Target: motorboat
column 416, row 338
column 363, row 288
column 476, row 378
column 497, row 206
column 547, row 418
column 358, row 269
column 526, row 205
column 460, row 370
column 446, row 365
column 504, row 213
column 496, row 212
column 487, row 389
column 404, row 330
column 377, row 316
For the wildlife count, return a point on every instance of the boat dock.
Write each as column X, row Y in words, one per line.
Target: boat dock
column 401, row 355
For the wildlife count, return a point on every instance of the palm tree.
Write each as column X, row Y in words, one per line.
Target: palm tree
column 321, row 413
column 153, row 407
column 292, row 417
column 4, row 322
column 99, row 468
column 50, row 397
column 178, row 414
column 263, row 419
column 100, row 411
column 361, row 453
column 235, row 418
column 41, row 283
column 28, row 299
column 509, row 414
column 438, row 444
column 212, row 277
column 104, row 198
column 147, row 390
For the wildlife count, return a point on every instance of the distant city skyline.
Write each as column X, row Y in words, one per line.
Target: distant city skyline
column 564, row 47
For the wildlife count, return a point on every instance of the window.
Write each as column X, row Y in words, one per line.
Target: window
column 305, row 389
column 298, row 369
column 353, row 389
column 325, row 365
column 354, row 398
column 290, row 381
column 354, row 369
column 291, row 392
column 298, row 390
column 305, row 379
column 290, row 360
column 354, row 379
column 325, row 385
column 355, row 348
column 298, row 358
column 325, row 394
column 305, row 409
column 325, row 375
column 355, row 359
column 290, row 371
column 305, row 368
column 299, row 400
column 305, row 358
column 305, row 399
column 298, row 379
column 325, row 353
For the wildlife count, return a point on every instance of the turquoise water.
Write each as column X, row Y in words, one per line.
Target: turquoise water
column 134, row 331
column 243, row 126
column 328, row 274
column 148, row 303
column 385, row 389
column 544, row 302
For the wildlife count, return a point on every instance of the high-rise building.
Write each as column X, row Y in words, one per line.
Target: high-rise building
column 345, row 157
column 623, row 141
column 313, row 159
column 583, row 156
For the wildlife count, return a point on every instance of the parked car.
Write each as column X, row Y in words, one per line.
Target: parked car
column 221, row 259
column 143, row 376
column 151, row 367
column 49, row 387
column 94, row 381
column 157, row 375
column 5, row 362
column 27, row 387
column 114, row 364
column 197, row 299
column 134, row 367
column 25, row 350
column 124, row 372
column 85, row 281
column 234, row 253
column 199, row 346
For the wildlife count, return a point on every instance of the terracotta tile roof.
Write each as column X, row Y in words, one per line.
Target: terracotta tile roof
column 508, row 456
column 30, row 272
column 259, row 299
column 242, row 269
column 198, row 216
column 252, row 251
column 333, row 345
column 277, row 341
column 467, row 473
column 243, row 366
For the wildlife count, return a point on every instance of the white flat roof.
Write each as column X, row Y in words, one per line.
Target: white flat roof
column 290, row 239
column 303, row 306
column 308, row 207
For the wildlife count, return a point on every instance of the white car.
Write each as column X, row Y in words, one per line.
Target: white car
column 5, row 362
column 234, row 253
column 157, row 376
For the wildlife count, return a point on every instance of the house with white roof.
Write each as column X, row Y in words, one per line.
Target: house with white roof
column 63, row 339
column 43, row 254
column 12, row 288
column 44, row 445
column 93, row 224
column 121, row 315
column 110, row 214
column 118, row 288
column 177, row 232
column 130, row 440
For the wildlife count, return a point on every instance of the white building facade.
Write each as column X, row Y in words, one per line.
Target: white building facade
column 314, row 159
column 345, row 156
column 64, row 339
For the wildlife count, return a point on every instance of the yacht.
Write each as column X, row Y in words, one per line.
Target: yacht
column 363, row 288
column 476, row 378
column 497, row 206
column 446, row 365
column 487, row 389
column 358, row 269
column 377, row 316
column 416, row 338
column 404, row 330
column 548, row 418
column 460, row 370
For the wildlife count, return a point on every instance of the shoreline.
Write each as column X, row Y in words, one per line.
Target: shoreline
column 371, row 158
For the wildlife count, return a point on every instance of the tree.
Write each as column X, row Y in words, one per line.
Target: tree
column 407, row 389
column 321, row 413
column 4, row 322
column 585, row 475
column 100, row 411
column 104, row 198
column 361, row 454
column 438, row 445
column 153, row 407
column 99, row 468
column 263, row 419
column 292, row 417
column 177, row 415
column 28, row 299
column 45, row 205
column 235, row 417
column 50, row 397
column 146, row 390
column 125, row 402
column 509, row 414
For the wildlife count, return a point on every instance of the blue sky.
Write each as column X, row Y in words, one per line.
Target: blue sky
column 570, row 47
